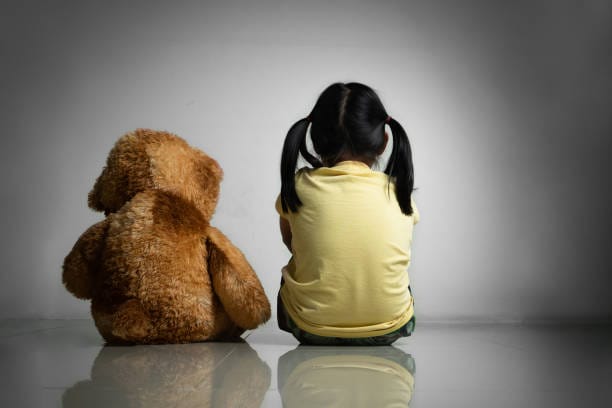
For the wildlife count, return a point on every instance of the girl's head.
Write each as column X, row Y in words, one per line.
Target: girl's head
column 347, row 123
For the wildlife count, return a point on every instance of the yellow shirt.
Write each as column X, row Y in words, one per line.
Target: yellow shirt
column 351, row 251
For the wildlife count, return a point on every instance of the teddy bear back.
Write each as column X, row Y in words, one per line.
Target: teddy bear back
column 148, row 159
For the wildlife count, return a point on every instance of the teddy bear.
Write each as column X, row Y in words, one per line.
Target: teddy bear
column 155, row 270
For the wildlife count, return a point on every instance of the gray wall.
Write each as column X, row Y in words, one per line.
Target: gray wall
column 508, row 106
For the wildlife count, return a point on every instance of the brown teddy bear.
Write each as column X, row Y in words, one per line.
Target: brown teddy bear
column 154, row 268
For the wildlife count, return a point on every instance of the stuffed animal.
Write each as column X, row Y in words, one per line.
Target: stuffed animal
column 155, row 270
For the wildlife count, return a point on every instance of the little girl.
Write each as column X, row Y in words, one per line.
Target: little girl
column 348, row 227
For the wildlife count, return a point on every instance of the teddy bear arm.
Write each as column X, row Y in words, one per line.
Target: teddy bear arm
column 235, row 282
column 79, row 264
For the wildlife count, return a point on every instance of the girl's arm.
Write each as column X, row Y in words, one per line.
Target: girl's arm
column 285, row 229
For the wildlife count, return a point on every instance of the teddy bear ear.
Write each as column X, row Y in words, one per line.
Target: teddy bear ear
column 188, row 172
column 94, row 198
column 209, row 175
column 126, row 172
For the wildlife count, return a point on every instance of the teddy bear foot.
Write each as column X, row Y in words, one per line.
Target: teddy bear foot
column 131, row 323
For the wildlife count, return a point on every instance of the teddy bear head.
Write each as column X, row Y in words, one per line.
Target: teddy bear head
column 148, row 159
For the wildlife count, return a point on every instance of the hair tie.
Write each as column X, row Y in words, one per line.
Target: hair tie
column 388, row 120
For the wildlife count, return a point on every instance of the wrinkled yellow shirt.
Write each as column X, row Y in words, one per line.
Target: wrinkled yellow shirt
column 348, row 276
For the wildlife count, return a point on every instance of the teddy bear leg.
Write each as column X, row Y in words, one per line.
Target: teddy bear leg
column 131, row 323
column 226, row 330
column 104, row 323
column 186, row 328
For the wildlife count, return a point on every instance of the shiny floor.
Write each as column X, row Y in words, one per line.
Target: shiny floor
column 63, row 363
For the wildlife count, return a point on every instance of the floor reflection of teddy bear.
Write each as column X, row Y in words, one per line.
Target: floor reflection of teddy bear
column 155, row 270
column 185, row 375
column 311, row 376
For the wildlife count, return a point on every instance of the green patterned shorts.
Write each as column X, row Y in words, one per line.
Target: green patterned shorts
column 287, row 324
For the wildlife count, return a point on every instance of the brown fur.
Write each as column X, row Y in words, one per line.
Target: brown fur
column 155, row 269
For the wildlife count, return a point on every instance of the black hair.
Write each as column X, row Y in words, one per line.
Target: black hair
column 347, row 119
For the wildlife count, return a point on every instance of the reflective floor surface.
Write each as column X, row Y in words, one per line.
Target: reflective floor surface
column 64, row 363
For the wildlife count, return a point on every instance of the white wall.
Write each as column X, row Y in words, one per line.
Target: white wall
column 507, row 106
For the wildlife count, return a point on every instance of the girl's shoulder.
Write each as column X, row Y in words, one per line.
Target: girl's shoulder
column 303, row 170
column 416, row 215
column 306, row 172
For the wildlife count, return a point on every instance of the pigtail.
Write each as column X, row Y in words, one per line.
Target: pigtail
column 312, row 160
column 294, row 143
column 400, row 166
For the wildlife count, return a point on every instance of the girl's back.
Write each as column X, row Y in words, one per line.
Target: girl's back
column 351, row 246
